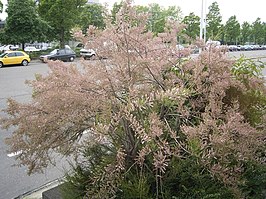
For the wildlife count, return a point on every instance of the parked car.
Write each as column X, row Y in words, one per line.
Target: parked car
column 8, row 47
column 232, row 48
column 65, row 54
column 87, row 53
column 14, row 57
column 247, row 47
column 31, row 49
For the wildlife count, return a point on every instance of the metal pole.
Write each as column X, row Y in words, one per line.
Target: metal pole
column 205, row 23
column 201, row 25
column 201, row 21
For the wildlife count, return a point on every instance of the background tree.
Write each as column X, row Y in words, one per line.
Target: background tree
column 173, row 13
column 264, row 30
column 222, row 34
column 62, row 16
column 245, row 32
column 92, row 14
column 214, row 22
column 23, row 24
column 192, row 23
column 158, row 17
column 1, row 7
column 258, row 32
column 115, row 10
column 232, row 30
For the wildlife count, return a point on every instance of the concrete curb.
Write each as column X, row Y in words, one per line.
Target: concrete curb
column 37, row 193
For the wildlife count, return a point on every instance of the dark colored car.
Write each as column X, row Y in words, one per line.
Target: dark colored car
column 65, row 54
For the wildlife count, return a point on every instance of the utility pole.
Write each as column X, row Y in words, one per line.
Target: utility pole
column 203, row 22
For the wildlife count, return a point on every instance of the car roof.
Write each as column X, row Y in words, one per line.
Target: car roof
column 10, row 51
column 13, row 51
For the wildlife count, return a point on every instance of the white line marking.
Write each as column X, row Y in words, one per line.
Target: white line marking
column 14, row 154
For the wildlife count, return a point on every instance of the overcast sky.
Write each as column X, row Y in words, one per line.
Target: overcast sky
column 245, row 10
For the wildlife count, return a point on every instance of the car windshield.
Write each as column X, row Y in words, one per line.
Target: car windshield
column 3, row 54
column 54, row 52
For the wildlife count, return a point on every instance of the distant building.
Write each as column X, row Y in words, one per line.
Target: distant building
column 92, row 1
column 88, row 1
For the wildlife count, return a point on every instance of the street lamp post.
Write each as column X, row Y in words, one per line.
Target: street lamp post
column 203, row 22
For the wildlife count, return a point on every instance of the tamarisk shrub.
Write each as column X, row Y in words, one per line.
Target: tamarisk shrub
column 145, row 122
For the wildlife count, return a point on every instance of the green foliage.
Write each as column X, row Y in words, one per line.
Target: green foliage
column 92, row 14
column 23, row 25
column 244, row 68
column 75, row 185
column 62, row 16
column 254, row 177
column 115, row 10
column 186, row 178
column 1, row 7
column 214, row 21
column 36, row 55
column 136, row 186
column 252, row 104
column 258, row 32
column 183, row 179
column 232, row 30
column 253, row 101
column 192, row 25
column 158, row 16
column 245, row 32
column 264, row 30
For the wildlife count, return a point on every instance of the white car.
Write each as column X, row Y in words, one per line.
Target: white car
column 8, row 47
column 87, row 53
column 180, row 47
column 31, row 49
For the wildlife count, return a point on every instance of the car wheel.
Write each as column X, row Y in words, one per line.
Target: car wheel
column 71, row 59
column 1, row 64
column 24, row 62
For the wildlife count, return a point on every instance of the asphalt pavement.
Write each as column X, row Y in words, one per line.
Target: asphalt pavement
column 14, row 180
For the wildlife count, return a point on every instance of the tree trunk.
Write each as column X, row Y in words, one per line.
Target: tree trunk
column 62, row 39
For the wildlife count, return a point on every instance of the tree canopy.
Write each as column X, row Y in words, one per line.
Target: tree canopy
column 214, row 21
column 232, row 30
column 245, row 32
column 258, row 32
column 192, row 23
column 62, row 16
column 23, row 25
column 92, row 14
column 1, row 7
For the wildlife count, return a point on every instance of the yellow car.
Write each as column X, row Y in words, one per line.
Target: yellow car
column 14, row 57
